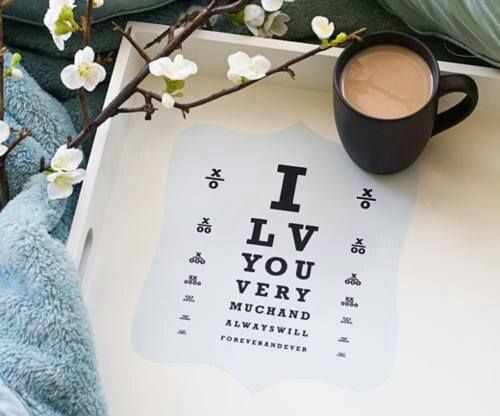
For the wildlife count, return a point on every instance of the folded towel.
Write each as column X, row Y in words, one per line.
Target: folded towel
column 47, row 362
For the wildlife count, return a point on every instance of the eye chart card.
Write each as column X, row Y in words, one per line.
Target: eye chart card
column 278, row 260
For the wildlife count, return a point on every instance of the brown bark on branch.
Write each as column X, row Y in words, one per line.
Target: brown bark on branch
column 87, row 27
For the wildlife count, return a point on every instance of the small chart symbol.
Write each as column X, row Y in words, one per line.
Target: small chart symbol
column 367, row 198
column 215, row 178
column 192, row 280
column 188, row 299
column 197, row 259
column 349, row 302
column 353, row 280
column 358, row 247
column 204, row 226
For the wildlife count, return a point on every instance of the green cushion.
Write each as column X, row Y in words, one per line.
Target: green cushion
column 33, row 11
column 471, row 24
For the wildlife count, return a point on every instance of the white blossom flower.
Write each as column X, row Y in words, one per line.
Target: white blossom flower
column 167, row 100
column 4, row 135
column 275, row 24
column 254, row 17
column 174, row 74
column 84, row 73
column 64, row 172
column 97, row 3
column 177, row 70
column 322, row 27
column 274, row 5
column 61, row 184
column 60, row 21
column 66, row 160
column 16, row 74
column 242, row 68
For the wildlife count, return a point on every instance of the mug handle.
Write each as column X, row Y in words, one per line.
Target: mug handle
column 456, row 114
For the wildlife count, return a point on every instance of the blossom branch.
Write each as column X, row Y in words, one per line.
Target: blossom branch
column 127, row 34
column 286, row 68
column 63, row 172
column 283, row 68
column 128, row 90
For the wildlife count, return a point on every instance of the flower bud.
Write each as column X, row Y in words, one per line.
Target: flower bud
column 16, row 60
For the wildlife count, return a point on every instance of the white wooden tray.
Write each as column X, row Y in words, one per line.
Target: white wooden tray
column 448, row 274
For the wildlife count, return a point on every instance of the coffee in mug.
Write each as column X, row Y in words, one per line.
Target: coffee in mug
column 385, row 97
column 387, row 82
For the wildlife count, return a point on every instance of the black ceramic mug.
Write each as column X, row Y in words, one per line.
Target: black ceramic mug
column 390, row 145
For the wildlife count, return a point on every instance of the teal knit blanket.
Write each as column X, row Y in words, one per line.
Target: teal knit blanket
column 47, row 362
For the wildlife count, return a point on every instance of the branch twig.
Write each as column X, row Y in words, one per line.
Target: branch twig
column 148, row 108
column 143, row 109
column 170, row 31
column 4, row 182
column 127, row 34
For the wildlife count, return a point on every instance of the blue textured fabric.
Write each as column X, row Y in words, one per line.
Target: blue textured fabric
column 10, row 403
column 27, row 105
column 46, row 353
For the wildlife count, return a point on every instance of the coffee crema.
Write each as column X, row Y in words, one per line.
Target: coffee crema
column 387, row 82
